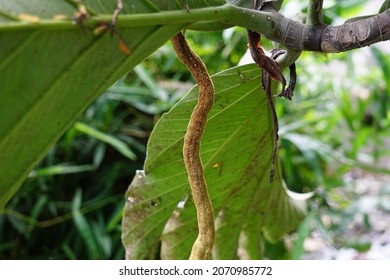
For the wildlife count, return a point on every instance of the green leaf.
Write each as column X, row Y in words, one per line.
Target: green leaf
column 83, row 226
column 116, row 143
column 236, row 154
column 383, row 62
column 60, row 169
column 49, row 76
column 52, row 69
column 385, row 6
column 303, row 232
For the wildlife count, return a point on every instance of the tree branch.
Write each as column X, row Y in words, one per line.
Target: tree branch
column 323, row 38
column 272, row 24
column 356, row 34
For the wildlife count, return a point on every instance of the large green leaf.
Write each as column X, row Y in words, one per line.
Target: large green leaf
column 236, row 153
column 50, row 73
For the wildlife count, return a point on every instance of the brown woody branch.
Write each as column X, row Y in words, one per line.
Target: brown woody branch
column 355, row 33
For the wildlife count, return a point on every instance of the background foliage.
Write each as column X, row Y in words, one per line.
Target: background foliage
column 334, row 130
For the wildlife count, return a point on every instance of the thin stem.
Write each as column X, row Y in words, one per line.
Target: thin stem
column 314, row 13
column 288, row 58
column 292, row 34
column 118, row 9
column 220, row 13
column 203, row 245
column 277, row 4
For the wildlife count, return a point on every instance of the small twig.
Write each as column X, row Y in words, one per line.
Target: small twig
column 314, row 13
column 203, row 245
column 288, row 57
column 81, row 15
column 111, row 27
column 118, row 9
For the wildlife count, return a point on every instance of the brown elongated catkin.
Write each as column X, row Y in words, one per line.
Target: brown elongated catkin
column 202, row 247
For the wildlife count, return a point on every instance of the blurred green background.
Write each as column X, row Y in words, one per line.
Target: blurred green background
column 334, row 145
